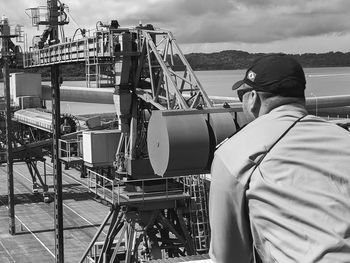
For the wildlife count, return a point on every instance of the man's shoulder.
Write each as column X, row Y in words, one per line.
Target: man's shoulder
column 238, row 154
column 255, row 138
column 250, row 136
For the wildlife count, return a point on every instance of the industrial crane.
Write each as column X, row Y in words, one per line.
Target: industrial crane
column 168, row 129
column 168, row 132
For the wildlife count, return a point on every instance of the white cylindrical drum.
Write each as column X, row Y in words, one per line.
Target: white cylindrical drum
column 178, row 144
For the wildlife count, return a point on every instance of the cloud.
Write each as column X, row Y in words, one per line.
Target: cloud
column 15, row 10
column 208, row 21
column 264, row 21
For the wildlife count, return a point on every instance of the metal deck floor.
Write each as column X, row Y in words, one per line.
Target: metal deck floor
column 34, row 240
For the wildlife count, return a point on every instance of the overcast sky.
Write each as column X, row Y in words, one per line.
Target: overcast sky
column 290, row 26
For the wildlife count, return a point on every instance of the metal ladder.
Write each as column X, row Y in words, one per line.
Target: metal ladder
column 199, row 214
column 99, row 61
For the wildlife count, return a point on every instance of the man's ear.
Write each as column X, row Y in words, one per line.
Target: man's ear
column 254, row 103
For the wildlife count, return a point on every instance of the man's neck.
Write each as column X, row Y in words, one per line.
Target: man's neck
column 273, row 103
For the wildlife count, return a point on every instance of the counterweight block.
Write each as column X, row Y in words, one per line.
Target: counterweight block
column 183, row 142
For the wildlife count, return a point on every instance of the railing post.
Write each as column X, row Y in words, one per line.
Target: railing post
column 112, row 188
column 88, row 178
column 118, row 193
column 166, row 187
column 184, row 186
column 68, row 150
column 96, row 180
column 104, row 186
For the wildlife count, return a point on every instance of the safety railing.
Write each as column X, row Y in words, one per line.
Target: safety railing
column 94, row 253
column 102, row 186
column 70, row 150
column 94, row 46
column 113, row 190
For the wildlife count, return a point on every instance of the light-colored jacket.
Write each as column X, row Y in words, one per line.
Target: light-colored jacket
column 295, row 206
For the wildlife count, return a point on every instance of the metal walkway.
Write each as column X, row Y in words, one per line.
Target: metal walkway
column 96, row 48
column 117, row 193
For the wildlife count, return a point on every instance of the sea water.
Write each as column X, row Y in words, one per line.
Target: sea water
column 319, row 82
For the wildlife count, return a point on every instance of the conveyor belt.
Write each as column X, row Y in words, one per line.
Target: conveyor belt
column 38, row 118
column 35, row 118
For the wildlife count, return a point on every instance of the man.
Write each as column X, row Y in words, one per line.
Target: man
column 280, row 189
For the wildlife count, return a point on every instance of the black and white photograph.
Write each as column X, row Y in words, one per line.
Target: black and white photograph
column 167, row 131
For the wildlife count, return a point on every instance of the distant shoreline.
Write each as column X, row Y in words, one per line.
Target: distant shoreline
column 224, row 60
column 82, row 78
column 233, row 59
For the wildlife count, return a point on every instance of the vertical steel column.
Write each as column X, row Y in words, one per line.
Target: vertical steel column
column 57, row 164
column 56, row 115
column 10, row 185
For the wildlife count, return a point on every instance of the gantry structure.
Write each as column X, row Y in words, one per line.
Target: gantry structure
column 157, row 196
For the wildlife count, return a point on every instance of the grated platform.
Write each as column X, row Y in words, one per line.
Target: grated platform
column 34, row 240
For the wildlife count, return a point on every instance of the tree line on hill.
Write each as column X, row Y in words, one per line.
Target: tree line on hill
column 224, row 60
column 233, row 59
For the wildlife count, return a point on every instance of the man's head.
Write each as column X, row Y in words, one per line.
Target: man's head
column 271, row 81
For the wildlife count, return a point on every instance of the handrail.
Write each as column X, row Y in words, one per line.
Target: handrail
column 111, row 189
column 67, row 148
column 95, row 180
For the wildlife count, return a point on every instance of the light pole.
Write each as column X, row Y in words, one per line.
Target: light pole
column 56, row 116
column 5, row 55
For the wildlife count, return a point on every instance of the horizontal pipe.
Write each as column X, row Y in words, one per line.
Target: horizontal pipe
column 100, row 95
column 105, row 96
column 337, row 101
column 327, row 101
column 81, row 94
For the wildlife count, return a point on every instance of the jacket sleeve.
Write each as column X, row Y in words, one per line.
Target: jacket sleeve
column 230, row 232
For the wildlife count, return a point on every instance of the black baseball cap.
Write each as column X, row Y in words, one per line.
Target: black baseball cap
column 279, row 74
